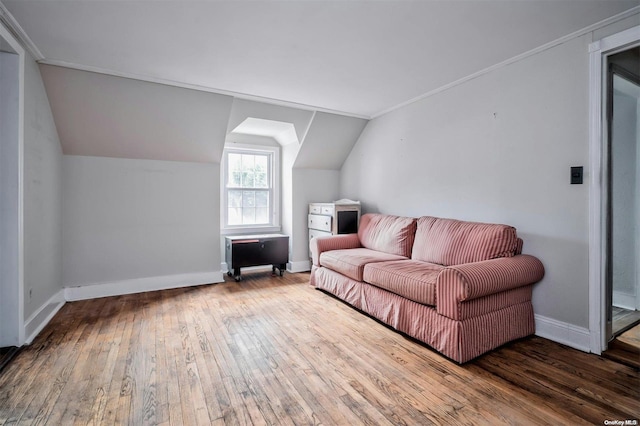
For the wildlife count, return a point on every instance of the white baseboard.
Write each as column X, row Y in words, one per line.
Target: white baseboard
column 562, row 332
column 40, row 318
column 140, row 285
column 624, row 300
column 300, row 266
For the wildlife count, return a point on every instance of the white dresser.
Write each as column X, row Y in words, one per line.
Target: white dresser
column 339, row 217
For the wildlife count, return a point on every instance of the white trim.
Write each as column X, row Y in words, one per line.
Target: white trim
column 598, row 52
column 21, row 121
column 306, row 131
column 514, row 59
column 597, row 320
column 618, row 41
column 40, row 318
column 141, row 285
column 624, row 300
column 562, row 332
column 7, row 35
column 167, row 82
column 299, row 266
column 20, row 35
column 246, row 230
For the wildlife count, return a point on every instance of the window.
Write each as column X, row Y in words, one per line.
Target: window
column 249, row 187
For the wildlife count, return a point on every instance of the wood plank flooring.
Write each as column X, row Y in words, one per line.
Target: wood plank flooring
column 631, row 336
column 273, row 350
column 623, row 319
column 6, row 355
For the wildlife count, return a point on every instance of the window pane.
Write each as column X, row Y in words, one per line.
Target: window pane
column 248, row 162
column 247, row 170
column 234, row 216
column 262, row 215
column 248, row 199
column 262, row 163
column 261, row 171
column 248, row 216
column 247, row 179
column 260, row 180
column 233, row 172
column 235, row 162
column 235, row 198
column 262, row 199
column 235, row 179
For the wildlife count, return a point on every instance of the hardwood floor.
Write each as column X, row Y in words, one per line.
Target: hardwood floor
column 625, row 347
column 623, row 319
column 272, row 350
column 631, row 336
column 6, row 355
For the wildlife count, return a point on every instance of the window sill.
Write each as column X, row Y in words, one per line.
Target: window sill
column 242, row 230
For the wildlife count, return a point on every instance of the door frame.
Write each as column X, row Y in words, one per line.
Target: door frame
column 598, row 182
column 12, row 276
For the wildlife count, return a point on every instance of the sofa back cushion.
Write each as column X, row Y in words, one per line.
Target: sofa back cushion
column 453, row 242
column 388, row 234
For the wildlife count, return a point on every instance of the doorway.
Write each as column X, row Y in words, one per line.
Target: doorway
column 601, row 181
column 622, row 266
column 11, row 92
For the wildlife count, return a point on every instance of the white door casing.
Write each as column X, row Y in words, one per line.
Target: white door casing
column 598, row 53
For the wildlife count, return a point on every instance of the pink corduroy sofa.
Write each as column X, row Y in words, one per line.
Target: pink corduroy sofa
column 463, row 288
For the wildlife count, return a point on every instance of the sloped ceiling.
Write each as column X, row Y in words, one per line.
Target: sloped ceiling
column 173, row 78
column 243, row 109
column 350, row 57
column 329, row 141
column 106, row 116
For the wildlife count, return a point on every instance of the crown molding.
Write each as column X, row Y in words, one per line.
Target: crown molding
column 532, row 52
column 20, row 35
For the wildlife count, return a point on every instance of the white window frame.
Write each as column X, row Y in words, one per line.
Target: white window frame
column 274, row 190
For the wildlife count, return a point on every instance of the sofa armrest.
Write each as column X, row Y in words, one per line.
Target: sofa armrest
column 318, row 245
column 460, row 283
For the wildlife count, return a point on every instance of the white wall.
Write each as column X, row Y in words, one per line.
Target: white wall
column 289, row 153
column 134, row 219
column 309, row 186
column 497, row 148
column 42, row 199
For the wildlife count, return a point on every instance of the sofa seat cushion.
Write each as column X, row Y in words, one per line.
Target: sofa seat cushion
column 351, row 262
column 412, row 279
column 454, row 242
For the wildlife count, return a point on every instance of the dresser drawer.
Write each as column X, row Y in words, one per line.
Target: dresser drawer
column 313, row 233
column 319, row 222
column 315, row 209
column 327, row 210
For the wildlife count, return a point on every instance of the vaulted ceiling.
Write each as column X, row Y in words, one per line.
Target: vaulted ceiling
column 357, row 58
